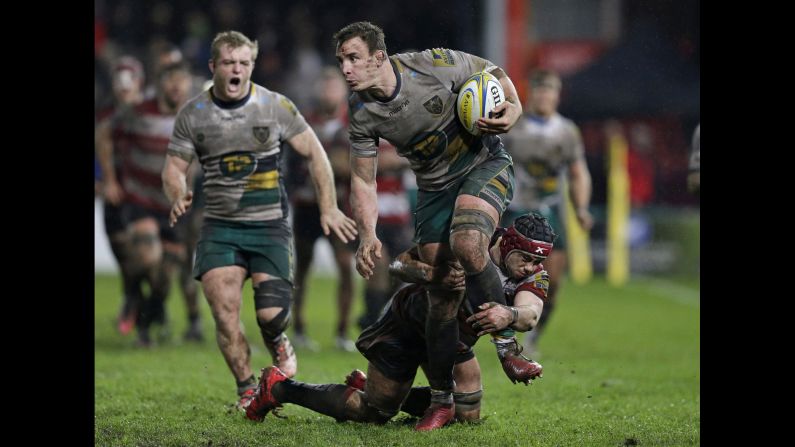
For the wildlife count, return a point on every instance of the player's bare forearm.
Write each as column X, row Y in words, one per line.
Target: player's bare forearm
column 529, row 308
column 580, row 192
column 364, row 200
column 527, row 318
column 174, row 177
column 307, row 144
column 580, row 188
column 522, row 316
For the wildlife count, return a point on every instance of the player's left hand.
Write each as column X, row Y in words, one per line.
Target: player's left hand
column 343, row 226
column 493, row 317
column 504, row 116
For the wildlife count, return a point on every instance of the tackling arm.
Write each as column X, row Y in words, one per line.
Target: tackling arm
column 408, row 267
column 528, row 310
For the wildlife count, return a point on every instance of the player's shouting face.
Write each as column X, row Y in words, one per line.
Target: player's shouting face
column 232, row 72
column 359, row 67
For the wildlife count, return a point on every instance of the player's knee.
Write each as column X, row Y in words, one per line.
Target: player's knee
column 467, row 405
column 470, row 232
column 275, row 293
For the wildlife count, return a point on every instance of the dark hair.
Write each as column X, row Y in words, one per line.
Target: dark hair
column 535, row 226
column 371, row 34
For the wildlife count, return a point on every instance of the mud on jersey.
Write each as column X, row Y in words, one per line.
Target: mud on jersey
column 541, row 152
column 239, row 148
column 420, row 117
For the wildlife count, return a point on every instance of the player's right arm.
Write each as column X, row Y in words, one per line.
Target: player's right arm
column 103, row 141
column 528, row 303
column 179, row 155
column 175, row 186
column 364, row 205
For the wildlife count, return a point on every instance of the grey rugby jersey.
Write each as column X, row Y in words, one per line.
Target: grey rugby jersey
column 239, row 148
column 420, row 117
column 541, row 152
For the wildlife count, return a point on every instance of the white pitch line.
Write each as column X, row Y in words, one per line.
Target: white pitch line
column 675, row 292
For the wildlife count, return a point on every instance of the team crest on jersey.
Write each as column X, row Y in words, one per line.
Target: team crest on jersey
column 434, row 105
column 261, row 134
column 442, row 57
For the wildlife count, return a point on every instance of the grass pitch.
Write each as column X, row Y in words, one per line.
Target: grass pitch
column 621, row 367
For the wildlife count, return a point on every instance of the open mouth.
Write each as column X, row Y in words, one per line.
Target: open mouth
column 235, row 81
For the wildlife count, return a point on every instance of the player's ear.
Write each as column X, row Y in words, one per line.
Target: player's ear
column 211, row 64
column 380, row 57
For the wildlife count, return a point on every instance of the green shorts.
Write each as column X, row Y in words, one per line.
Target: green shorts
column 259, row 247
column 551, row 213
column 492, row 181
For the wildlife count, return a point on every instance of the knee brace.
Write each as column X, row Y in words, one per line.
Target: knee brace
column 468, row 401
column 273, row 293
column 468, row 219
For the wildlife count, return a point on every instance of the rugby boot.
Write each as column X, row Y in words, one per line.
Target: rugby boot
column 517, row 367
column 263, row 400
column 436, row 416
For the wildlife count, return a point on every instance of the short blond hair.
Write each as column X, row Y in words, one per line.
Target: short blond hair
column 234, row 39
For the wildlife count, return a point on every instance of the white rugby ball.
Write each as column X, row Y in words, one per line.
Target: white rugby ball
column 479, row 95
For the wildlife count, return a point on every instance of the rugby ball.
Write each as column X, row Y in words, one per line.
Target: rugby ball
column 479, row 95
